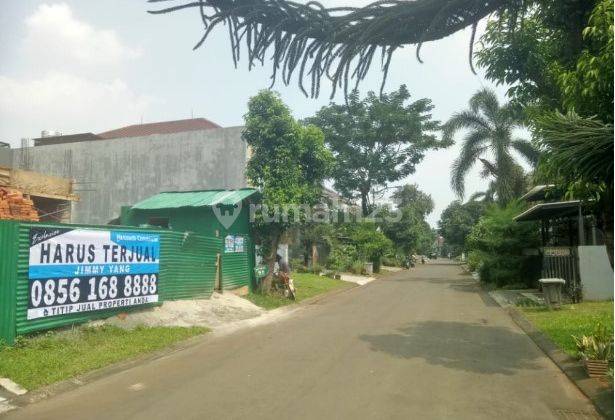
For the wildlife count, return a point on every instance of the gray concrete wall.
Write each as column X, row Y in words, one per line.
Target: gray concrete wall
column 6, row 157
column 596, row 273
column 120, row 172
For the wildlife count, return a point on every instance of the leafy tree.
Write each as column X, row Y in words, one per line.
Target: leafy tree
column 288, row 164
column 410, row 196
column 496, row 245
column 587, row 88
column 578, row 153
column 559, row 61
column 376, row 140
column 457, row 221
column 489, row 132
column 411, row 233
column 528, row 51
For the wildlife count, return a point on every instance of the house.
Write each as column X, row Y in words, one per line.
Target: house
column 123, row 166
column 573, row 245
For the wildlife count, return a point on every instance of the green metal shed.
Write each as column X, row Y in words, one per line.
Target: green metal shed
column 222, row 214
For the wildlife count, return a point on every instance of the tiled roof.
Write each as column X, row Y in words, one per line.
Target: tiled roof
column 164, row 127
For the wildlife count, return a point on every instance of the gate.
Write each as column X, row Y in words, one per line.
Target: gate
column 562, row 262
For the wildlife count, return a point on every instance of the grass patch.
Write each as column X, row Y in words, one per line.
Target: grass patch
column 54, row 356
column 307, row 285
column 577, row 319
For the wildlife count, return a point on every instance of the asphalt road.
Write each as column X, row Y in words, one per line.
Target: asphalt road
column 416, row 345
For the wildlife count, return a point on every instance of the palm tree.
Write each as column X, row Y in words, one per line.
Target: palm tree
column 489, row 141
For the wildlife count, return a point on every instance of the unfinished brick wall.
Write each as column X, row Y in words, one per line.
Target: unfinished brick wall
column 14, row 205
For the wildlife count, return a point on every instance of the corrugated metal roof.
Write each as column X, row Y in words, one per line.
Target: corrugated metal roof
column 549, row 210
column 206, row 198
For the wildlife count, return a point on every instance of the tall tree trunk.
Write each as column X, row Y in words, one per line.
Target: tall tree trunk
column 306, row 254
column 314, row 254
column 364, row 206
column 270, row 258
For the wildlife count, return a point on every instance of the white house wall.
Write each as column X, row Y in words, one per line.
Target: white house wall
column 596, row 273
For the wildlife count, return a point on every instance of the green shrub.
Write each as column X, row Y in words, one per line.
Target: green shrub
column 371, row 244
column 496, row 245
column 296, row 263
column 357, row 267
column 341, row 257
column 315, row 268
column 392, row 260
column 474, row 260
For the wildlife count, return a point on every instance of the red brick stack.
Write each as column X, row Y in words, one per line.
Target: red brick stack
column 14, row 205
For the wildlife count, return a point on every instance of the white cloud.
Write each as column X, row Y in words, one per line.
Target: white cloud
column 68, row 103
column 70, row 79
column 57, row 39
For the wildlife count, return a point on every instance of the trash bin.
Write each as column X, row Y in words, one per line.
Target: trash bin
column 368, row 268
column 552, row 291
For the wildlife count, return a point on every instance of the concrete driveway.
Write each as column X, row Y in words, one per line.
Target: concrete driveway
column 419, row 344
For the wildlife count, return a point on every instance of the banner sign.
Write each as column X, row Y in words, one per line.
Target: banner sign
column 82, row 270
column 229, row 244
column 233, row 244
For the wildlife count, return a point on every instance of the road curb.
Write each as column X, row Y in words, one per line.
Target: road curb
column 572, row 368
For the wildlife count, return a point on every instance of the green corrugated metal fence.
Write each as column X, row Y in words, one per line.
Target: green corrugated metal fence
column 187, row 268
column 236, row 268
column 8, row 280
column 188, row 265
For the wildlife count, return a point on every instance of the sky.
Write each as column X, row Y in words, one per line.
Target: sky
column 92, row 66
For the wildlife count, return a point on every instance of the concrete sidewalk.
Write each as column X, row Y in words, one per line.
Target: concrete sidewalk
column 425, row 343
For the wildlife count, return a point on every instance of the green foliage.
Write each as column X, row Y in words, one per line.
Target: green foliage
column 342, row 256
column 528, row 51
column 408, row 229
column 587, row 88
column 315, row 268
column 575, row 320
column 489, row 127
column 357, row 267
column 497, row 242
column 576, row 149
column 288, row 164
column 594, row 347
column 410, row 196
column 475, row 259
column 297, row 265
column 456, row 222
column 371, row 244
column 54, row 356
column 376, row 140
column 558, row 58
column 289, row 161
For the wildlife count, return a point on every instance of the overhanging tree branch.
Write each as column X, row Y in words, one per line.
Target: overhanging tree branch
column 336, row 43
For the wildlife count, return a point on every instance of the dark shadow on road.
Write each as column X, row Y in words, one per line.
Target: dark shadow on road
column 470, row 347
